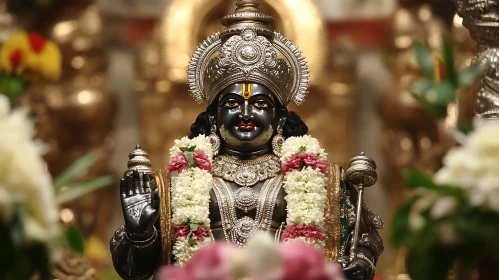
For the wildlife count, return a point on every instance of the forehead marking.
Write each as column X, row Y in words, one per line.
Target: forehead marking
column 246, row 91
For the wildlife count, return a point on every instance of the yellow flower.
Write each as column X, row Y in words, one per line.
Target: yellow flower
column 31, row 52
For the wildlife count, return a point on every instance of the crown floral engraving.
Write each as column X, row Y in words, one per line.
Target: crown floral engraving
column 247, row 51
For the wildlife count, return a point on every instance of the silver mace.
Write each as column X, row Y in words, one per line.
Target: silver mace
column 361, row 173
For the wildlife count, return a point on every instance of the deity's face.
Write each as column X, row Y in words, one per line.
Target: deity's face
column 246, row 116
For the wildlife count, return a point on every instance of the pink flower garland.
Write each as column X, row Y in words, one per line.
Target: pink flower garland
column 308, row 231
column 298, row 161
column 184, row 231
column 180, row 163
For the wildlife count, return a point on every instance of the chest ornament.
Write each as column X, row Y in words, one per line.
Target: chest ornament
column 246, row 172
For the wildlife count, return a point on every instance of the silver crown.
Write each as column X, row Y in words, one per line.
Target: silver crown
column 248, row 52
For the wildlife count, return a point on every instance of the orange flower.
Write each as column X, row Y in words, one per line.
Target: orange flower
column 31, row 52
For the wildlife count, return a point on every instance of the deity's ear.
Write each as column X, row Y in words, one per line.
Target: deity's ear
column 282, row 115
column 211, row 112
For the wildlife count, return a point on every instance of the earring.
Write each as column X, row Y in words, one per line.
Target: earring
column 214, row 140
column 277, row 142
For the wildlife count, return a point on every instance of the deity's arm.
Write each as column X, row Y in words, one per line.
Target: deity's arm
column 135, row 259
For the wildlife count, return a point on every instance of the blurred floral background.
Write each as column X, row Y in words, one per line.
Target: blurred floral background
column 121, row 80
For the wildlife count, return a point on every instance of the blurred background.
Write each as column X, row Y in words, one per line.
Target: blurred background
column 124, row 82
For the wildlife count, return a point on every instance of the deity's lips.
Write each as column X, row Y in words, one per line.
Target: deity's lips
column 246, row 126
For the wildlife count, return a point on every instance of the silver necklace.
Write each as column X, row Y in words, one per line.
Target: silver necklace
column 238, row 230
column 246, row 172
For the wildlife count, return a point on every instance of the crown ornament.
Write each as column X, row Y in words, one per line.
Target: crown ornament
column 248, row 51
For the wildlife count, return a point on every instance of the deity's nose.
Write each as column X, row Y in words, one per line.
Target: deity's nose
column 246, row 114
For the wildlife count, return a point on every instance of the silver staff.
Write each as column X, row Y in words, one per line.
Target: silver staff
column 361, row 173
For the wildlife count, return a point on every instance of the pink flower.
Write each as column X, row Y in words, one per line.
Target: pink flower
column 178, row 163
column 201, row 233
column 202, row 160
column 302, row 261
column 210, row 262
column 296, row 162
column 301, row 230
column 313, row 161
column 180, row 231
column 291, row 163
column 173, row 272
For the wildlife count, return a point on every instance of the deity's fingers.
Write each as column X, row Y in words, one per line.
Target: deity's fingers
column 129, row 184
column 142, row 177
column 155, row 199
column 136, row 181
column 351, row 269
column 147, row 183
column 123, row 190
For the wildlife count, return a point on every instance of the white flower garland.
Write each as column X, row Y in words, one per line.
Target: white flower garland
column 190, row 196
column 305, row 188
column 305, row 192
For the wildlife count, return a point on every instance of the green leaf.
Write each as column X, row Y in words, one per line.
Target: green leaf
column 189, row 157
column 465, row 126
column 81, row 188
column 469, row 75
column 303, row 148
column 192, row 149
column 184, row 149
column 74, row 239
column 75, row 170
column 194, row 164
column 429, row 262
column 193, row 227
column 415, row 178
column 424, row 57
column 420, row 86
column 400, row 228
column 448, row 57
column 434, row 96
column 12, row 86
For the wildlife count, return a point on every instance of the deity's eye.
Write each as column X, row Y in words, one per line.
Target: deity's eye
column 260, row 104
column 231, row 103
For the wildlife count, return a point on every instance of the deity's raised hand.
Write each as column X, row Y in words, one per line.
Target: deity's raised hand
column 140, row 204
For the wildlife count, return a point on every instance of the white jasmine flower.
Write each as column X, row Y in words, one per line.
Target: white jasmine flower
column 306, row 143
column 306, row 196
column 201, row 142
column 262, row 254
column 443, row 207
column 24, row 174
column 474, row 166
column 416, row 221
column 184, row 248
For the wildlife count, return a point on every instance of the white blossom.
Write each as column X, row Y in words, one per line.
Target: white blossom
column 184, row 248
column 201, row 142
column 305, row 143
column 190, row 197
column 474, row 166
column 306, row 196
column 443, row 207
column 24, row 178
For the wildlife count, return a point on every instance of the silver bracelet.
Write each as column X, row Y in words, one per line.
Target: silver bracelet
column 141, row 244
column 372, row 267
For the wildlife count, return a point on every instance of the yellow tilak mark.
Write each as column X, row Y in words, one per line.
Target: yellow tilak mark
column 246, row 91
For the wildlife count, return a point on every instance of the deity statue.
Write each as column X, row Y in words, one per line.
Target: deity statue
column 247, row 166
